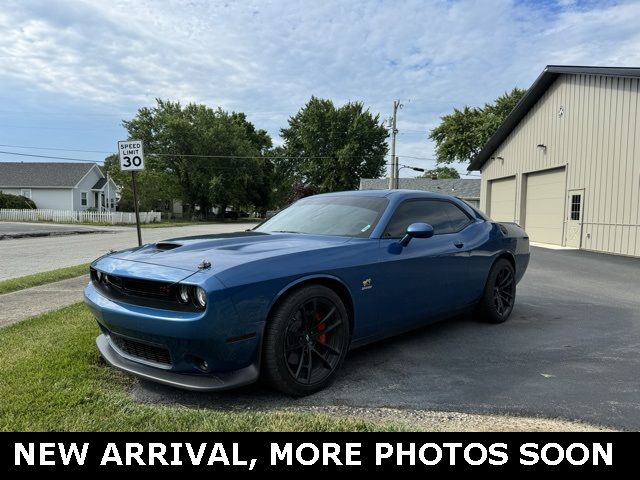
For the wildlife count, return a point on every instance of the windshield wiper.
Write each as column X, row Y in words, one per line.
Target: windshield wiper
column 285, row 231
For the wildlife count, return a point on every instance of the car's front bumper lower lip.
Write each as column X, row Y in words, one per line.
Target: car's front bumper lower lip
column 200, row 382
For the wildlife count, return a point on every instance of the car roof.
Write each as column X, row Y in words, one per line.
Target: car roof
column 398, row 194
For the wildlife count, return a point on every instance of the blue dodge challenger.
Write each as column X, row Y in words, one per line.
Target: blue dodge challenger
column 288, row 299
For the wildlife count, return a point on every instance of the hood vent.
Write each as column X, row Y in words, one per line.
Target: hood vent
column 163, row 246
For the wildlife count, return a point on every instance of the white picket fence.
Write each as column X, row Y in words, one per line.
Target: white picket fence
column 70, row 216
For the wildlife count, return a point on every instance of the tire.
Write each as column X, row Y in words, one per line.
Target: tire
column 306, row 341
column 499, row 294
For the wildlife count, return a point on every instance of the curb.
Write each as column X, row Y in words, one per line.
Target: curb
column 13, row 236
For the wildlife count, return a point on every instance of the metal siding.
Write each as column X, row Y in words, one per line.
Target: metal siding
column 596, row 140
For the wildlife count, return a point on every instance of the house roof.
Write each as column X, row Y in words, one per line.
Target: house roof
column 99, row 184
column 42, row 174
column 465, row 188
column 534, row 93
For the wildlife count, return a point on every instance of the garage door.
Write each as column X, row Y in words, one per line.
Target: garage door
column 545, row 206
column 502, row 199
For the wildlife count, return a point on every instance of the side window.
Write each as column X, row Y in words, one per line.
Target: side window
column 457, row 218
column 443, row 216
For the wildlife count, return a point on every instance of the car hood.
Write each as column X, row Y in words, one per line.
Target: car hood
column 225, row 250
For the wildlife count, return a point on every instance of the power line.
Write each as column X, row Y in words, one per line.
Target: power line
column 229, row 157
column 188, row 155
column 99, row 161
column 418, row 158
column 68, row 114
column 50, row 157
column 55, row 149
column 194, row 155
column 226, row 157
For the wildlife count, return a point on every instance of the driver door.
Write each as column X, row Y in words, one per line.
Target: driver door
column 417, row 283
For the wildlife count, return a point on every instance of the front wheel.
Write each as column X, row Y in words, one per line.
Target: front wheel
column 306, row 340
column 499, row 294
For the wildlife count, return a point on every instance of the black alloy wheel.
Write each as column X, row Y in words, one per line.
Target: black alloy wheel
column 306, row 340
column 504, row 291
column 313, row 341
column 499, row 293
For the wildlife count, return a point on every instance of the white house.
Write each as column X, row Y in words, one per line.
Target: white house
column 60, row 186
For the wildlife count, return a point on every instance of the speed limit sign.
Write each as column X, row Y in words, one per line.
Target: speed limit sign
column 131, row 155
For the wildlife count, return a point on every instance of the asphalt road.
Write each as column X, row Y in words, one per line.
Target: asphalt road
column 570, row 350
column 25, row 256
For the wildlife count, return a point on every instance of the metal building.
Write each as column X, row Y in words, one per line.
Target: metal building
column 565, row 164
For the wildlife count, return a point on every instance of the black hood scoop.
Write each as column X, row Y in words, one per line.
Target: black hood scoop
column 164, row 246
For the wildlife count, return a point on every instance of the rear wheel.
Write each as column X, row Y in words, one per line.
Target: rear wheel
column 499, row 293
column 306, row 340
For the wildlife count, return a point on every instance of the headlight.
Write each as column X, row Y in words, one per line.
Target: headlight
column 201, row 297
column 183, row 294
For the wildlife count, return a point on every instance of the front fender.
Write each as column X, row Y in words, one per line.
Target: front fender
column 305, row 279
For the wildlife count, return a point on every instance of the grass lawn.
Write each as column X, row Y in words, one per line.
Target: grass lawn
column 36, row 279
column 51, row 378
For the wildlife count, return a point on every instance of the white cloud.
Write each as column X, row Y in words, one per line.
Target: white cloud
column 268, row 58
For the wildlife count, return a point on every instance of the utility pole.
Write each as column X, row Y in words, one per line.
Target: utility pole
column 135, row 204
column 393, row 168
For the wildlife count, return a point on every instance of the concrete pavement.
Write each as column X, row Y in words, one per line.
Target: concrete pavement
column 25, row 256
column 11, row 230
column 23, row 304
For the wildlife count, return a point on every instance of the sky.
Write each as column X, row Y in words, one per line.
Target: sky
column 71, row 71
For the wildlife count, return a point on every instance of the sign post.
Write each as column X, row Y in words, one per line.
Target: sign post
column 131, row 155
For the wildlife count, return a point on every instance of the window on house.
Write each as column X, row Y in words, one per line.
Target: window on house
column 83, row 198
column 26, row 192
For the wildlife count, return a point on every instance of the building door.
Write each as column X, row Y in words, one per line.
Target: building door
column 544, row 207
column 502, row 199
column 574, row 218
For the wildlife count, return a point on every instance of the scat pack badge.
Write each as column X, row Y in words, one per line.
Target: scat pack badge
column 366, row 284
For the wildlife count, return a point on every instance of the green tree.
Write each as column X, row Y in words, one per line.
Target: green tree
column 339, row 145
column 461, row 135
column 16, row 201
column 215, row 156
column 157, row 188
column 442, row 172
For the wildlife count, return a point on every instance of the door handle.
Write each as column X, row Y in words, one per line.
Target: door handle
column 459, row 243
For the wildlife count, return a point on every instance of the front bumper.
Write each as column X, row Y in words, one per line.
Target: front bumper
column 230, row 348
column 200, row 382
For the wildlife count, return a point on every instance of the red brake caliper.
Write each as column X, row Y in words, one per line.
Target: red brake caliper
column 322, row 338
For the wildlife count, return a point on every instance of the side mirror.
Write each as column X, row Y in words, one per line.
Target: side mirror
column 417, row 230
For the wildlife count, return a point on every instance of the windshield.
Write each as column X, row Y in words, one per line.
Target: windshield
column 329, row 215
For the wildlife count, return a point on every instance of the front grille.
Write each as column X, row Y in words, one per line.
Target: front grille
column 151, row 293
column 141, row 350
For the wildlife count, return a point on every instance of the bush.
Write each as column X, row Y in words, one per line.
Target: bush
column 16, row 201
